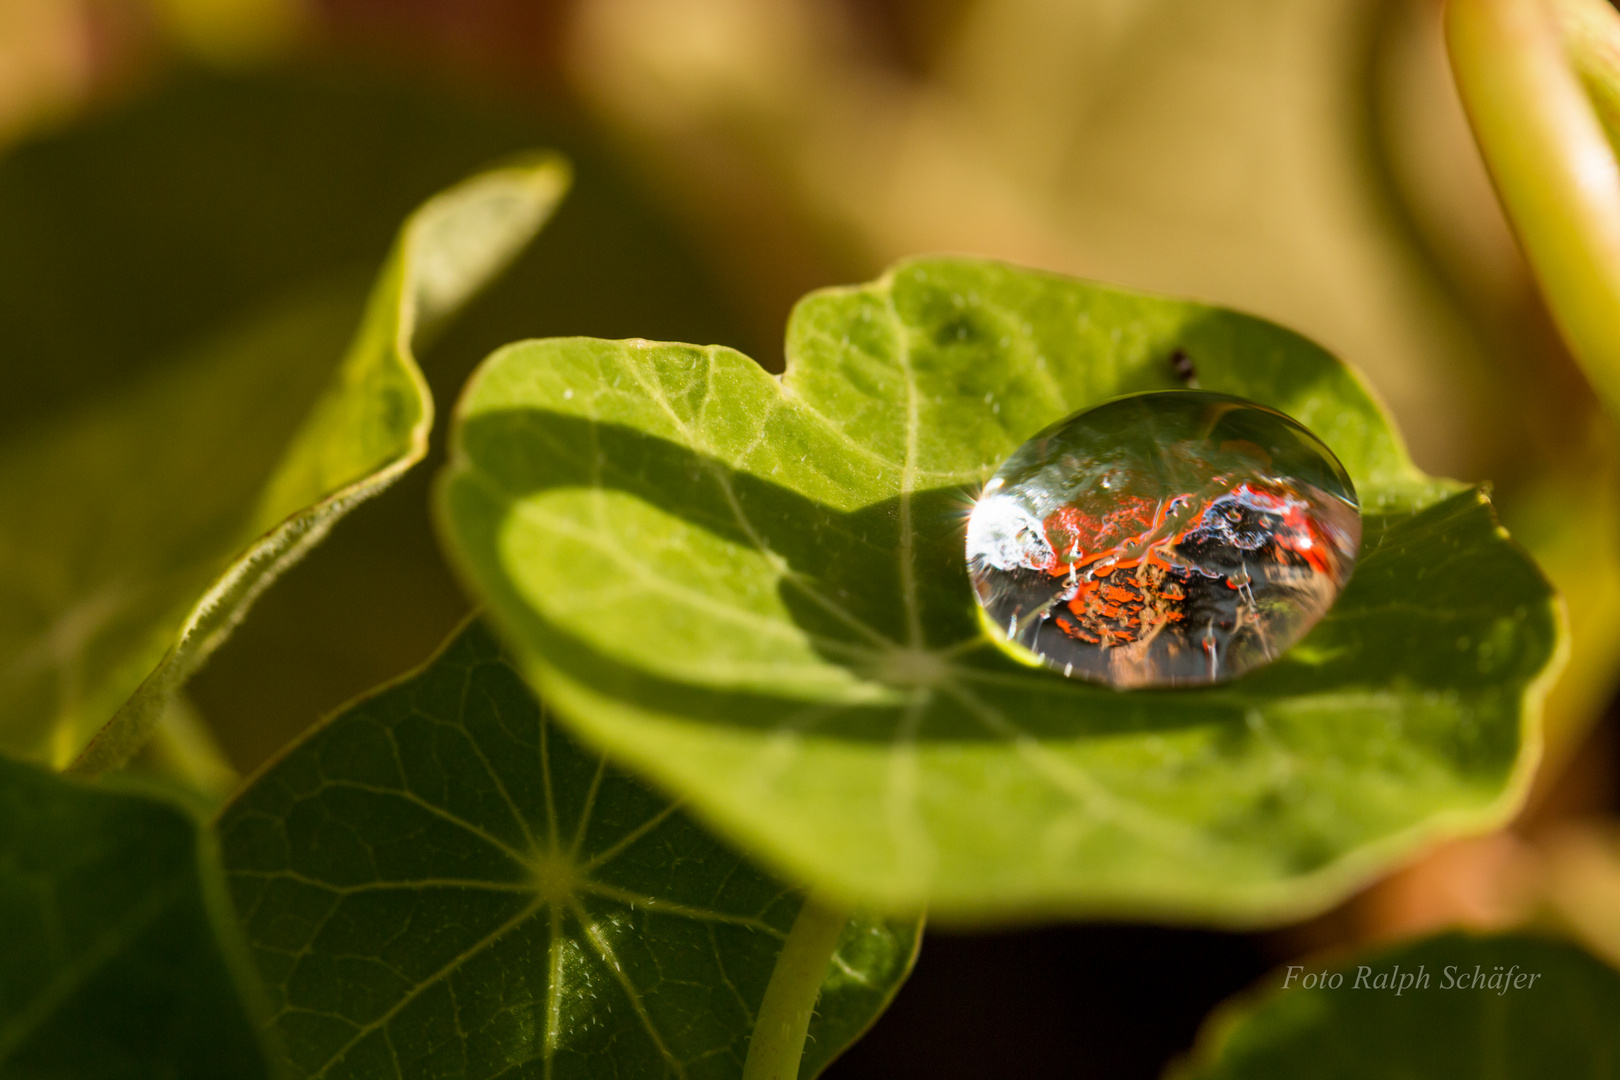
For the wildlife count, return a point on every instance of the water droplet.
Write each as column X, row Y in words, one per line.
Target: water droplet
column 1166, row 539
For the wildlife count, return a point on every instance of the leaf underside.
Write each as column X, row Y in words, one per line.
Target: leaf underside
column 110, row 956
column 1557, row 1021
column 438, row 881
column 754, row 591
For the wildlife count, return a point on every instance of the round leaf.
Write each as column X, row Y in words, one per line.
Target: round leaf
column 439, row 881
column 755, row 592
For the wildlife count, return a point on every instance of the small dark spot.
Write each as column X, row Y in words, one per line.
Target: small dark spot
column 1181, row 364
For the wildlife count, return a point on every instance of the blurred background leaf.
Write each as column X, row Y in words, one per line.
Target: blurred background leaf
column 142, row 234
column 1554, row 1018
column 193, row 488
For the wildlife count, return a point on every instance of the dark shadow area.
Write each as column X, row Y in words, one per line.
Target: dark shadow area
column 1111, row 1002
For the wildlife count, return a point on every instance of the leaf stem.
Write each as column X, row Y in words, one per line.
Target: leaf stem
column 777, row 1044
column 1554, row 169
column 1590, row 30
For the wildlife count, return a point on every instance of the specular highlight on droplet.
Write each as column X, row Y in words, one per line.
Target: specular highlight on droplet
column 1165, row 539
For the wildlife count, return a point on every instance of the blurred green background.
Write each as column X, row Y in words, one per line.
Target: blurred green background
column 170, row 164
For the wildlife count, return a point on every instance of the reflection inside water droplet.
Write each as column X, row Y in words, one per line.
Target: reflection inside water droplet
column 1164, row 539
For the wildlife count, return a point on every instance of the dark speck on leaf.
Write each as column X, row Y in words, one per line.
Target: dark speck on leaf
column 1182, row 365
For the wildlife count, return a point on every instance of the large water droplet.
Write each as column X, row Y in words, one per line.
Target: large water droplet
column 1164, row 539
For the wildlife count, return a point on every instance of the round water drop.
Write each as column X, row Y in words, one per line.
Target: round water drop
column 1164, row 539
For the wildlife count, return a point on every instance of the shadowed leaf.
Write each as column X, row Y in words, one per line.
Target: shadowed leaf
column 440, row 882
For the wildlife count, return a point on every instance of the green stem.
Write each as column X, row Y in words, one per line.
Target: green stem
column 777, row 1044
column 1590, row 30
column 1553, row 166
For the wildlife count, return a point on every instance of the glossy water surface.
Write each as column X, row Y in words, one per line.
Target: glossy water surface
column 1164, row 539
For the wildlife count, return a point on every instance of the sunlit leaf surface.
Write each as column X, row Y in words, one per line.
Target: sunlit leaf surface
column 755, row 591
column 111, row 924
column 439, row 882
column 137, row 529
column 1505, row 1007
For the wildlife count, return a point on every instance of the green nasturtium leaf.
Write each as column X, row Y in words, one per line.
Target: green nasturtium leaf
column 754, row 591
column 440, row 882
column 119, row 954
column 1455, row 1005
column 137, row 531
